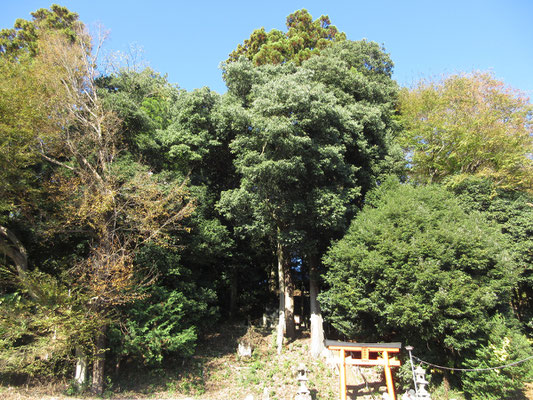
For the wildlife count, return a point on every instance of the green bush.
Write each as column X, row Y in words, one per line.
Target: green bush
column 38, row 334
column 415, row 267
column 505, row 346
column 170, row 315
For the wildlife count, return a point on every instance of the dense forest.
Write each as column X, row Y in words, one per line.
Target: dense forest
column 135, row 216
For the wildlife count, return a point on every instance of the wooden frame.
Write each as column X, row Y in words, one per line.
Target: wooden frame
column 369, row 355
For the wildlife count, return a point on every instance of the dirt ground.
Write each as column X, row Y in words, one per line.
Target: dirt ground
column 216, row 372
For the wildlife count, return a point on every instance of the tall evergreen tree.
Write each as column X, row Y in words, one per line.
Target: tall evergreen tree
column 511, row 212
column 415, row 267
column 22, row 39
column 303, row 39
column 316, row 137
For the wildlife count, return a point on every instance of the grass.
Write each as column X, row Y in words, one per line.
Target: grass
column 216, row 372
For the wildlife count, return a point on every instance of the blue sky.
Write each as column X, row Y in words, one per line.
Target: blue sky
column 187, row 40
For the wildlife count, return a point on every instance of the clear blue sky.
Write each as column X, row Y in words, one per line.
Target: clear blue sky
column 188, row 39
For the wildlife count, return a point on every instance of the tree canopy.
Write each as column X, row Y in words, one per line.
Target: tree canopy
column 468, row 124
column 313, row 144
column 304, row 38
column 23, row 38
column 511, row 212
column 415, row 267
column 94, row 187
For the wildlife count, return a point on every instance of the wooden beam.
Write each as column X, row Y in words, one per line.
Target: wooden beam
column 335, row 343
column 370, row 363
column 370, row 349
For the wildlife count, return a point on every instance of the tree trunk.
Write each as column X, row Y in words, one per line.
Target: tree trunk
column 446, row 384
column 80, row 376
column 290, row 326
column 13, row 248
column 286, row 325
column 234, row 291
column 97, row 387
column 317, row 326
column 281, row 310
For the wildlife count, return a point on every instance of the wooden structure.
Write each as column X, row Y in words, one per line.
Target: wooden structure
column 365, row 355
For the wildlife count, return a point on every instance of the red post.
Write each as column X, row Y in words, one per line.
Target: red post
column 342, row 375
column 388, row 376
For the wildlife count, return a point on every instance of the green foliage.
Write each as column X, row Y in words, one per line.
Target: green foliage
column 415, row 267
column 184, row 134
column 505, row 346
column 98, row 183
column 168, row 317
column 294, row 126
column 37, row 337
column 17, row 117
column 468, row 125
column 117, row 206
column 512, row 213
column 192, row 141
column 304, row 38
column 22, row 39
column 143, row 102
column 314, row 141
column 156, row 328
column 25, row 106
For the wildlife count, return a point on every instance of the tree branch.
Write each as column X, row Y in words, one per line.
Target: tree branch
column 13, row 248
column 54, row 161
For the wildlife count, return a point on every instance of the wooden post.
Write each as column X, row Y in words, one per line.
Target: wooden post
column 370, row 355
column 388, row 376
column 342, row 375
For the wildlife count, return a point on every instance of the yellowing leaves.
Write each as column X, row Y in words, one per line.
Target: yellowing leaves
column 116, row 203
column 470, row 124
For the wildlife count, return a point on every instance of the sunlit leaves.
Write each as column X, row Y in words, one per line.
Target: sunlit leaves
column 21, row 40
column 303, row 39
column 36, row 337
column 468, row 125
column 415, row 267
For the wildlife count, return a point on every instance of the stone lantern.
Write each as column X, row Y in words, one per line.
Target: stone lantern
column 421, row 383
column 303, row 393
